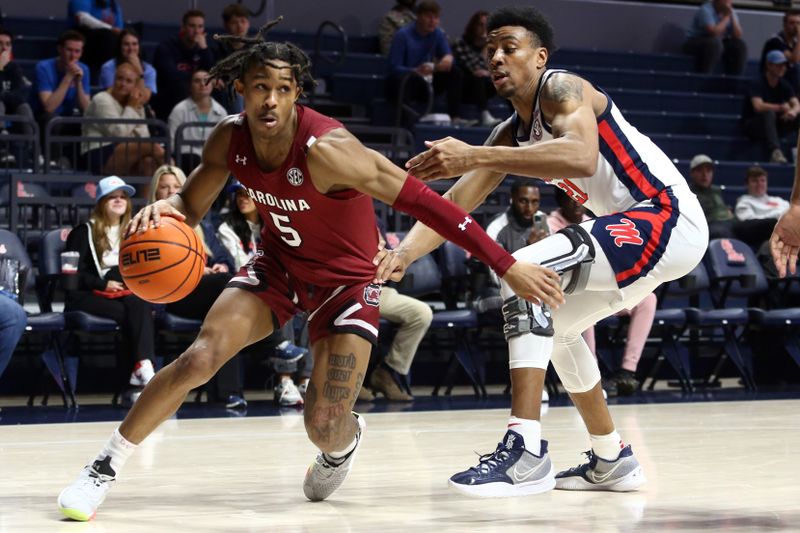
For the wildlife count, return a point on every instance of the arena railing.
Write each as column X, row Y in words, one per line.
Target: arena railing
column 19, row 144
column 184, row 146
column 65, row 146
column 37, row 203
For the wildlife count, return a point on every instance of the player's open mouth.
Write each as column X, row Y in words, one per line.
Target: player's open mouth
column 498, row 78
column 269, row 120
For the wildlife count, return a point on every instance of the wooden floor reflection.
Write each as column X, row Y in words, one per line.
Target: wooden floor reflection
column 729, row 466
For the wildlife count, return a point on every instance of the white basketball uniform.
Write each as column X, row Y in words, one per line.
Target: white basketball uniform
column 650, row 229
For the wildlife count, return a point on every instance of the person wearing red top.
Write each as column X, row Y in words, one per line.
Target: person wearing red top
column 313, row 184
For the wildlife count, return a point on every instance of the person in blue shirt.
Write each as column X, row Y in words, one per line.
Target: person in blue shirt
column 61, row 85
column 128, row 50
column 100, row 21
column 422, row 47
column 12, row 325
column 716, row 35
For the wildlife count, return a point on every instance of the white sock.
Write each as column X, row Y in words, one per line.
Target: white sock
column 607, row 446
column 118, row 448
column 336, row 456
column 531, row 431
column 282, row 345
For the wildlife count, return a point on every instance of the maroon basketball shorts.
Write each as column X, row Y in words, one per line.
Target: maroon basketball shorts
column 343, row 309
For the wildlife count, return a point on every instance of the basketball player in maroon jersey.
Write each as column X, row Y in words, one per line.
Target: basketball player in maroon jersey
column 313, row 183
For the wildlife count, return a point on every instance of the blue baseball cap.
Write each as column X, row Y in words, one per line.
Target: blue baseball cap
column 110, row 184
column 235, row 186
column 776, row 57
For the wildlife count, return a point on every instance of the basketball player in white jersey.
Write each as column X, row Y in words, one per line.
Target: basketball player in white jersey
column 650, row 229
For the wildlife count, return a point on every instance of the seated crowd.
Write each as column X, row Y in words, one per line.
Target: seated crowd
column 174, row 88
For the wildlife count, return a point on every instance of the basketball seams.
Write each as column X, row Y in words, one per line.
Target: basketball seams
column 192, row 246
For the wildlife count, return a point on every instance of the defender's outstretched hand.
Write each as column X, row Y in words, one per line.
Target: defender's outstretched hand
column 535, row 283
column 785, row 241
column 445, row 158
column 152, row 213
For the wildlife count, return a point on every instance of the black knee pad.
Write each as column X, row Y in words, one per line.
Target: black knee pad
column 522, row 317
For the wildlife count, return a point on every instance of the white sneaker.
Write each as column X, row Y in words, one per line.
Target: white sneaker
column 545, row 396
column 287, row 394
column 302, row 388
column 487, row 120
column 80, row 500
column 142, row 373
column 323, row 477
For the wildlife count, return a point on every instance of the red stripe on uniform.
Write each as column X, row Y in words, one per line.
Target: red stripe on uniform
column 615, row 144
column 657, row 221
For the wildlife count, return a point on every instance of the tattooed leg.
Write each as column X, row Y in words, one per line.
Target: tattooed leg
column 340, row 362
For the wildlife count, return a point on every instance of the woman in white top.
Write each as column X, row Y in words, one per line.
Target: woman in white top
column 124, row 100
column 241, row 230
column 100, row 290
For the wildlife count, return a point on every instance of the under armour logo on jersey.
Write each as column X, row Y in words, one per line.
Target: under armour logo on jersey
column 625, row 233
column 241, row 159
column 295, row 176
column 463, row 225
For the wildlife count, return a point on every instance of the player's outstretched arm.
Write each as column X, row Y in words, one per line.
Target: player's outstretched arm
column 341, row 161
column 201, row 188
column 567, row 101
column 785, row 240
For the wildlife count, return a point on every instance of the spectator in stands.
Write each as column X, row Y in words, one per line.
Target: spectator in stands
column 12, row 325
column 13, row 87
column 199, row 107
column 61, row 85
column 236, row 19
column 125, row 100
column 716, row 34
column 177, row 58
column 402, row 14
column 757, row 204
column 128, row 50
column 771, row 107
column 100, row 21
column 422, row 47
column 787, row 41
column 412, row 318
column 226, row 386
column 100, row 288
column 240, row 233
column 522, row 223
column 624, row 381
column 471, row 59
column 719, row 216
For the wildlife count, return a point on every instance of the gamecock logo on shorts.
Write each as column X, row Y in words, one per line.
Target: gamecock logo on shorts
column 372, row 294
column 295, row 176
column 625, row 233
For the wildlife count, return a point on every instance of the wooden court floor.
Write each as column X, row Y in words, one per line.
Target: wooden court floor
column 729, row 466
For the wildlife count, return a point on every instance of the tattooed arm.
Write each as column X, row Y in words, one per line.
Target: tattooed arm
column 569, row 104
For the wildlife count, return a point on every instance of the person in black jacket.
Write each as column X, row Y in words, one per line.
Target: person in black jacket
column 100, row 288
column 175, row 60
column 14, row 90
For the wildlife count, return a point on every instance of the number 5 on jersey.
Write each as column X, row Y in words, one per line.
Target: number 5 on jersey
column 288, row 234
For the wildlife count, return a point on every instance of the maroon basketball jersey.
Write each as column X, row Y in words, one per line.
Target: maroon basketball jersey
column 321, row 239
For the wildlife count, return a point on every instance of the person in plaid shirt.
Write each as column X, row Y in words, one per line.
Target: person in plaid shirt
column 469, row 56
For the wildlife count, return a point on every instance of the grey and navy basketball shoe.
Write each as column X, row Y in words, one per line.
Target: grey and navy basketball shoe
column 510, row 471
column 325, row 474
column 623, row 474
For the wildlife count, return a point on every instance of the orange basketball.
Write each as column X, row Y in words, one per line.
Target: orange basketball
column 162, row 265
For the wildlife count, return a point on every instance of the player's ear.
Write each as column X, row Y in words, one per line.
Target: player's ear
column 541, row 57
column 239, row 86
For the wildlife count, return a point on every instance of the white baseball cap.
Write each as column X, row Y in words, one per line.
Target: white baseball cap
column 700, row 159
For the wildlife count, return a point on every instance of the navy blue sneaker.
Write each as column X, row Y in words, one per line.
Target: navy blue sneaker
column 234, row 401
column 510, row 471
column 623, row 474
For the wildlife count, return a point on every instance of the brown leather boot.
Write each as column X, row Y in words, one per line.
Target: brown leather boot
column 382, row 381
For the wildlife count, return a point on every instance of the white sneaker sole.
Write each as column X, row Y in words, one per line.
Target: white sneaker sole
column 507, row 490
column 630, row 482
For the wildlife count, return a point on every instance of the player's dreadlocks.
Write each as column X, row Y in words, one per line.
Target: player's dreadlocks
column 258, row 51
